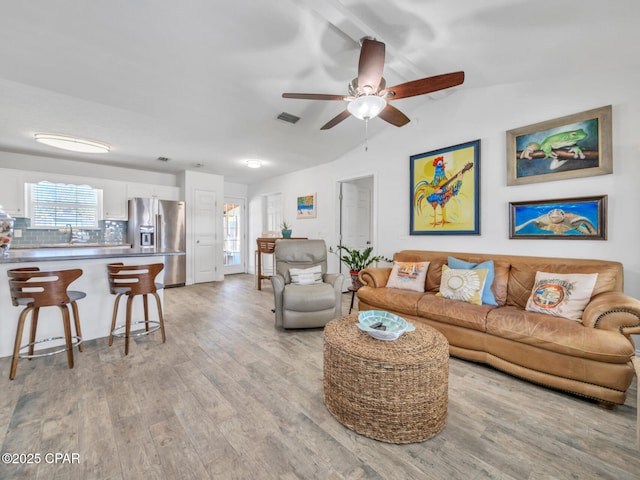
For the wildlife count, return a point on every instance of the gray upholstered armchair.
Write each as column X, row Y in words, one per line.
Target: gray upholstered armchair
column 305, row 295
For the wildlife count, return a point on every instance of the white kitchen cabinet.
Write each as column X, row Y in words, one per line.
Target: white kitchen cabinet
column 12, row 192
column 147, row 190
column 115, row 200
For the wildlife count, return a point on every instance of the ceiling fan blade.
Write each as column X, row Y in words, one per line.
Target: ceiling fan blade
column 394, row 116
column 313, row 96
column 370, row 66
column 423, row 86
column 336, row 120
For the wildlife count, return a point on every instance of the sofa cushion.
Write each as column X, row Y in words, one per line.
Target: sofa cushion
column 523, row 274
column 561, row 295
column 450, row 312
column 487, row 295
column 408, row 276
column 391, row 299
column 462, row 285
column 558, row 335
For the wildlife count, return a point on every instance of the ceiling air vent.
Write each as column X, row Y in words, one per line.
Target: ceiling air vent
column 288, row 117
column 163, row 159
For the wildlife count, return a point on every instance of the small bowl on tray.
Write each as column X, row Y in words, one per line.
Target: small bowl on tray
column 383, row 325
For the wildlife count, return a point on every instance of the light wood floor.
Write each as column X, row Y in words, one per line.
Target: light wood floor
column 230, row 397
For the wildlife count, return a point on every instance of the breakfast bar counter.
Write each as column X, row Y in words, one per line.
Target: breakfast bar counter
column 95, row 310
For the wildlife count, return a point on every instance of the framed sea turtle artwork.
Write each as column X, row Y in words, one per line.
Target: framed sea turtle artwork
column 573, row 146
column 580, row 218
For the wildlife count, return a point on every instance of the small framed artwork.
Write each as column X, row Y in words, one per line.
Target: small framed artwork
column 582, row 218
column 574, row 146
column 306, row 207
column 445, row 191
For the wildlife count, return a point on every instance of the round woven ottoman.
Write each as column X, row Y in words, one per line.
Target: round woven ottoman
column 395, row 391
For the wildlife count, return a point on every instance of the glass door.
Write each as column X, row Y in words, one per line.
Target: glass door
column 233, row 216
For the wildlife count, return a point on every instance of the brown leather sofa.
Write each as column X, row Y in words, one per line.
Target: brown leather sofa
column 591, row 358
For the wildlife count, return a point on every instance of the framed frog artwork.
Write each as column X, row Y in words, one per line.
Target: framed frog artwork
column 574, row 146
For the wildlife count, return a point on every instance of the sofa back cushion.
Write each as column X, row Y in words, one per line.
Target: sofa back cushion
column 438, row 259
column 523, row 276
column 515, row 274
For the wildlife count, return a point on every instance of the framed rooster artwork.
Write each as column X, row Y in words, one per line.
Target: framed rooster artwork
column 445, row 191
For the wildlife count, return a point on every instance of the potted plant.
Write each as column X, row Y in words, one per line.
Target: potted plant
column 286, row 230
column 357, row 260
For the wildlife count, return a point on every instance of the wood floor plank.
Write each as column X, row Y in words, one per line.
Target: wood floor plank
column 229, row 396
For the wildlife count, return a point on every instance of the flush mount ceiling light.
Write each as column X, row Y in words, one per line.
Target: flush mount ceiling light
column 75, row 144
column 254, row 163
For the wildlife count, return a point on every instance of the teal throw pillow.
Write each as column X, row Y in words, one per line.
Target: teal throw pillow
column 487, row 295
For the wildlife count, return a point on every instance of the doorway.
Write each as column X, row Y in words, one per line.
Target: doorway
column 234, row 247
column 204, row 221
column 356, row 216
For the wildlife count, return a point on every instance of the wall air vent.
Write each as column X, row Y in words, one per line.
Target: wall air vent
column 288, row 117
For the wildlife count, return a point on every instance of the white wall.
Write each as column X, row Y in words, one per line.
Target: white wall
column 487, row 113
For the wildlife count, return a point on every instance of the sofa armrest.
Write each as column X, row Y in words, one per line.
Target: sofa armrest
column 613, row 311
column 375, row 277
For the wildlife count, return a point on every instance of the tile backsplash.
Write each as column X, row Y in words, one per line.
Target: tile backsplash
column 110, row 232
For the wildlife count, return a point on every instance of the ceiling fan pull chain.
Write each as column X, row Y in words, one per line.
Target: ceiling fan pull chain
column 366, row 134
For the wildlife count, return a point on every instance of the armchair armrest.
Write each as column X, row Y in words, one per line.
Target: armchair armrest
column 613, row 311
column 375, row 277
column 331, row 278
column 277, row 281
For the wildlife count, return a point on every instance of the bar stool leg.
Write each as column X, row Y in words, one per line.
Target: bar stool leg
column 76, row 320
column 34, row 327
column 128, row 324
column 113, row 318
column 66, row 321
column 146, row 312
column 160, row 317
column 16, row 347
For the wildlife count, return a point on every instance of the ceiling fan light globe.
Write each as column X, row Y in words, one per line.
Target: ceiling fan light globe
column 366, row 106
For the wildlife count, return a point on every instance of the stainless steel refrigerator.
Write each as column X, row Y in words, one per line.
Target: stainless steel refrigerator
column 160, row 224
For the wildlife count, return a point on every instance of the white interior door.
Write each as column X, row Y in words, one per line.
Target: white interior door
column 204, row 257
column 234, row 247
column 356, row 216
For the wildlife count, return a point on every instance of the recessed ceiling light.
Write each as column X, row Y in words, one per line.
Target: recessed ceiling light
column 75, row 144
column 254, row 163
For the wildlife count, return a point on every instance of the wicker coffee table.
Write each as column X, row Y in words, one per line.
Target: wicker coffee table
column 394, row 391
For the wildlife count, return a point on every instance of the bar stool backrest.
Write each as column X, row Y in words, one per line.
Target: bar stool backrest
column 40, row 288
column 133, row 279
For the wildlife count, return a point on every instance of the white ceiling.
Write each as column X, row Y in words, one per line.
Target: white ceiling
column 200, row 81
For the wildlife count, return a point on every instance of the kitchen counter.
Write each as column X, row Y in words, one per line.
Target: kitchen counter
column 68, row 245
column 81, row 253
column 95, row 309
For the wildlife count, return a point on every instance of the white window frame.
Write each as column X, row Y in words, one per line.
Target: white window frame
column 30, row 208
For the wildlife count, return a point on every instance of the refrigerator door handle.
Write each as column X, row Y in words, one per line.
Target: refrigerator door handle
column 159, row 231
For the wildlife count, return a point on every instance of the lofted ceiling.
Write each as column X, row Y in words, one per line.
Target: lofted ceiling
column 200, row 81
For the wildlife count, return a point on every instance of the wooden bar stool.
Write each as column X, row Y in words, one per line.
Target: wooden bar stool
column 132, row 280
column 32, row 288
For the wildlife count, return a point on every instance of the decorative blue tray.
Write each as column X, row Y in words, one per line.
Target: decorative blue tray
column 394, row 325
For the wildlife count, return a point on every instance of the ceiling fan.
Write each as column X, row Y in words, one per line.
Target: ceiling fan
column 368, row 95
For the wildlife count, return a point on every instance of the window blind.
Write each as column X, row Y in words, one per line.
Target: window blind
column 56, row 205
